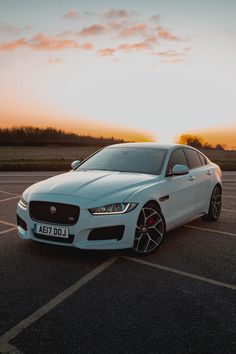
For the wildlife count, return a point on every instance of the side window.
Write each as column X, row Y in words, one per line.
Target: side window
column 193, row 158
column 202, row 158
column 177, row 158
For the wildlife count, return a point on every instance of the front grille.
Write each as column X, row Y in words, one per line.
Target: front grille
column 107, row 233
column 56, row 213
column 70, row 239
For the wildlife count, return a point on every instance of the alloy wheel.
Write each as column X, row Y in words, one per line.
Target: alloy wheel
column 215, row 205
column 149, row 230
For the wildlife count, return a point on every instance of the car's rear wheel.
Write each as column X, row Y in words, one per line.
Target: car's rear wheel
column 150, row 229
column 215, row 205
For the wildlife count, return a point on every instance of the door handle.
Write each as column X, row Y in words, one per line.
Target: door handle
column 191, row 178
column 209, row 173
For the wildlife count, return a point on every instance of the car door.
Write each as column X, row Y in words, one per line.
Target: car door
column 181, row 191
column 203, row 173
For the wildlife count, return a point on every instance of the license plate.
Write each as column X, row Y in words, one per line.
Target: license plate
column 50, row 230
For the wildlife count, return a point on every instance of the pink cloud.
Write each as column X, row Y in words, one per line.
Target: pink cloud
column 87, row 46
column 72, row 14
column 166, row 35
column 93, row 30
column 139, row 46
column 22, row 42
column 139, row 28
column 105, row 52
column 44, row 42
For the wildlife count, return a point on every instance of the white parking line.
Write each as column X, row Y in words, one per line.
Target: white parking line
column 7, row 230
column 11, row 198
column 35, row 316
column 229, row 196
column 229, row 210
column 10, row 193
column 210, row 230
column 179, row 272
column 7, row 223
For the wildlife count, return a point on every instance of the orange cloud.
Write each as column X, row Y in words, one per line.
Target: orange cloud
column 139, row 28
column 144, row 45
column 135, row 46
column 105, row 52
column 72, row 14
column 13, row 44
column 87, row 46
column 164, row 34
column 44, row 42
column 93, row 30
column 41, row 41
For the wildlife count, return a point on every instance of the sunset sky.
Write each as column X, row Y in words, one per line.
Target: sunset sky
column 132, row 69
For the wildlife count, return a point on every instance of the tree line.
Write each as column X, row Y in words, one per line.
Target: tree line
column 32, row 136
column 198, row 142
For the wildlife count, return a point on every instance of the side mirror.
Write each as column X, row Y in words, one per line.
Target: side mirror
column 75, row 164
column 179, row 170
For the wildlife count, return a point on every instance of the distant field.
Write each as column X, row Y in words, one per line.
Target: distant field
column 45, row 158
column 225, row 159
column 53, row 158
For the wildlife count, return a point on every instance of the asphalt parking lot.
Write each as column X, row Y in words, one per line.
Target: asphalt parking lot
column 180, row 299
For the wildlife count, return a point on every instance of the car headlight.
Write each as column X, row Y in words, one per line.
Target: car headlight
column 23, row 202
column 112, row 209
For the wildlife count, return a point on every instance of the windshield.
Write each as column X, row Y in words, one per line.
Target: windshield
column 126, row 159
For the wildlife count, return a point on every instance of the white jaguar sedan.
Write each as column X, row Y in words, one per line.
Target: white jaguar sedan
column 123, row 196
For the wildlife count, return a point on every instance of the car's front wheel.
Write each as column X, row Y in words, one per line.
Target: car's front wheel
column 215, row 205
column 150, row 229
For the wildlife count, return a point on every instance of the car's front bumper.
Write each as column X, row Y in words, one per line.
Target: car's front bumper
column 79, row 233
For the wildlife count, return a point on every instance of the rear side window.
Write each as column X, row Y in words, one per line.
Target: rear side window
column 177, row 158
column 202, row 158
column 193, row 158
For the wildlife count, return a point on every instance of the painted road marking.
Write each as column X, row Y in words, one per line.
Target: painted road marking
column 7, row 230
column 229, row 196
column 35, row 316
column 210, row 230
column 9, row 193
column 7, row 223
column 11, row 198
column 230, row 210
column 179, row 272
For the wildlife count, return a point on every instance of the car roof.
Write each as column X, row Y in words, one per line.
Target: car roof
column 151, row 145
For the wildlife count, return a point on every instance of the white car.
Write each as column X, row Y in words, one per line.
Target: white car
column 123, row 196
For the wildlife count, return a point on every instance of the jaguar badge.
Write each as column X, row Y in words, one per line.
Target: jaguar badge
column 52, row 209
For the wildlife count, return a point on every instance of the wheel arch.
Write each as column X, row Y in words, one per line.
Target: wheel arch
column 218, row 185
column 153, row 201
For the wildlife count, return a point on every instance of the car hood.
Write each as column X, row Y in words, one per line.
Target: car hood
column 94, row 185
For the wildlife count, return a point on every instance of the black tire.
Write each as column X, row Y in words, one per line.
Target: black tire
column 150, row 229
column 215, row 205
